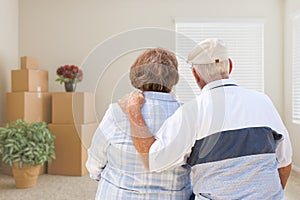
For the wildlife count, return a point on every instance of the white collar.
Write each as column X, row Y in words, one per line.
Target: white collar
column 218, row 83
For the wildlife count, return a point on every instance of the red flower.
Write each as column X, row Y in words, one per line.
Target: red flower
column 69, row 73
column 60, row 71
column 75, row 69
column 68, row 67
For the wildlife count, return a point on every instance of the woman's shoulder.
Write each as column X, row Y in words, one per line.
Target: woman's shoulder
column 115, row 111
column 165, row 101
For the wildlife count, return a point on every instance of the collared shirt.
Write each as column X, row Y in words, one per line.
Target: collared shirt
column 113, row 160
column 234, row 140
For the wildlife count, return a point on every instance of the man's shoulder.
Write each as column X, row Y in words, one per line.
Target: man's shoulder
column 251, row 93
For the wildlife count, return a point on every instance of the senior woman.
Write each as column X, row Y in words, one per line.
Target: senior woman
column 112, row 158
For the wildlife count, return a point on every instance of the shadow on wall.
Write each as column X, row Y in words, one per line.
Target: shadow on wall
column 114, row 83
column 3, row 89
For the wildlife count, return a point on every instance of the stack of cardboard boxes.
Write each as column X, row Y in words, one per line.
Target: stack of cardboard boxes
column 72, row 116
column 73, row 123
column 29, row 99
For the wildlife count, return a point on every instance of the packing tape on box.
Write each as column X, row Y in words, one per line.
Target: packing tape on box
column 39, row 93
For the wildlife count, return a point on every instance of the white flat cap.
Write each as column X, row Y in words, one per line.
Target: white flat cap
column 208, row 51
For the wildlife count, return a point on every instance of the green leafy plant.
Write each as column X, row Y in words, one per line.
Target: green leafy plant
column 23, row 142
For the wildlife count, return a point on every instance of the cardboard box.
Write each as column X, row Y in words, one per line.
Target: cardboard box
column 29, row 62
column 71, row 144
column 30, row 106
column 29, row 80
column 5, row 169
column 73, row 108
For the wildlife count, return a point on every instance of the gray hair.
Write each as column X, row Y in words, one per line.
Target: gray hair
column 212, row 71
column 154, row 77
column 155, row 70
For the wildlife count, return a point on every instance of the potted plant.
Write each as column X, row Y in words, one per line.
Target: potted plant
column 69, row 75
column 26, row 147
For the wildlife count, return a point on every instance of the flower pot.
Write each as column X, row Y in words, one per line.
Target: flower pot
column 25, row 177
column 70, row 86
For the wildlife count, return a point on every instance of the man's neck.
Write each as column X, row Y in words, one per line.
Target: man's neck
column 202, row 84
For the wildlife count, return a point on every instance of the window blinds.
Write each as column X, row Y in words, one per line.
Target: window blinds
column 296, row 70
column 244, row 39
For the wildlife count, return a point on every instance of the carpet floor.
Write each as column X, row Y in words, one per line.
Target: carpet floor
column 51, row 187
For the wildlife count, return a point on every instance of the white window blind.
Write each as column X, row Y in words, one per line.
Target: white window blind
column 244, row 39
column 296, row 70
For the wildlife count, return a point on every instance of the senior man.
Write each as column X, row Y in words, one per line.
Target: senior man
column 232, row 137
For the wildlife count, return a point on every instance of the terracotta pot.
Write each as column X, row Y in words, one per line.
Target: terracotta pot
column 25, row 177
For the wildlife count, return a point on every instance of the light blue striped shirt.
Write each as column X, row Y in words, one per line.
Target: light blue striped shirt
column 114, row 161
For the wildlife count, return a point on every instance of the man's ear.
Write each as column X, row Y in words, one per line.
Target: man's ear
column 196, row 76
column 230, row 65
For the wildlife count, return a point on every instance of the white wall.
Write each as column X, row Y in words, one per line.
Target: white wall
column 9, row 13
column 292, row 8
column 65, row 31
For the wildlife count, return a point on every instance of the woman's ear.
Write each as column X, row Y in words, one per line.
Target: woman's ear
column 230, row 65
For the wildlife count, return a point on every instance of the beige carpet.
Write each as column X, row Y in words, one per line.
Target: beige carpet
column 50, row 187
column 292, row 191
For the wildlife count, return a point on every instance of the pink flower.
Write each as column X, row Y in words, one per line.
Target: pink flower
column 80, row 75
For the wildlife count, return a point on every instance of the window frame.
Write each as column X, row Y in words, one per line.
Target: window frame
column 296, row 70
column 258, row 22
